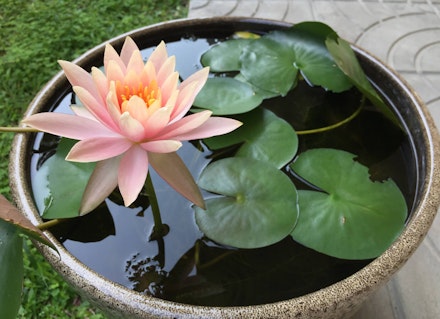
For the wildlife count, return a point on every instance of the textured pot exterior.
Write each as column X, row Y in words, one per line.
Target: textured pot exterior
column 335, row 301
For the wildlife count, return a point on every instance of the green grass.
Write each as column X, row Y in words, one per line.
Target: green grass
column 33, row 36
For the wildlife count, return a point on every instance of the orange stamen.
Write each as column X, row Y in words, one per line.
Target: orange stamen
column 149, row 94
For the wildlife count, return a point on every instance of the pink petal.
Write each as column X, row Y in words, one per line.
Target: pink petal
column 188, row 123
column 128, row 48
column 200, row 77
column 99, row 110
column 166, row 146
column 212, row 127
column 110, row 54
column 132, row 173
column 101, row 82
column 184, row 102
column 113, row 105
column 157, row 121
column 166, row 69
column 132, row 80
column 78, row 76
column 68, row 125
column 169, row 86
column 130, row 127
column 172, row 169
column 148, row 73
column 138, row 109
column 102, row 182
column 189, row 89
column 114, row 72
column 82, row 111
column 159, row 56
column 98, row 149
column 136, row 63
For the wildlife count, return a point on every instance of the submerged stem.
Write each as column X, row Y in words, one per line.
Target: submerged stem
column 48, row 224
column 4, row 129
column 159, row 229
column 333, row 126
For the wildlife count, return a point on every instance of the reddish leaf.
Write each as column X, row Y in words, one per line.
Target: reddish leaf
column 11, row 214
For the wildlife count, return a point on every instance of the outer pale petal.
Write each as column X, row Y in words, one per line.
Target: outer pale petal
column 102, row 182
column 98, row 149
column 68, row 125
column 172, row 169
column 131, row 128
column 212, row 127
column 99, row 110
column 188, row 123
column 82, row 112
column 78, row 76
column 128, row 48
column 132, row 173
column 166, row 146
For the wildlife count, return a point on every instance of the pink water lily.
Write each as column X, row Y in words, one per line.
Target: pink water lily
column 134, row 115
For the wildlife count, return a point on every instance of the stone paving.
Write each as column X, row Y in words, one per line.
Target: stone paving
column 406, row 36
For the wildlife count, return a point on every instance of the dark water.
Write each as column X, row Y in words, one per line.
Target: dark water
column 185, row 266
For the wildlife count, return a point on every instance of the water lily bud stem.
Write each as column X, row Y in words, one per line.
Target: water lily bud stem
column 18, row 129
column 48, row 224
column 159, row 229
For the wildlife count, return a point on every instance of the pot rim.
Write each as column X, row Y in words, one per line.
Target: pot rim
column 360, row 283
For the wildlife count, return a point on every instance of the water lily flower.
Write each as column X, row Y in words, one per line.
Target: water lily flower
column 134, row 114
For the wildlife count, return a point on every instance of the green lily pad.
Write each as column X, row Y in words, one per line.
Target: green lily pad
column 353, row 217
column 264, row 136
column 257, row 206
column 345, row 58
column 225, row 57
column 11, row 273
column 66, row 181
column 269, row 65
column 225, row 96
column 311, row 56
column 258, row 91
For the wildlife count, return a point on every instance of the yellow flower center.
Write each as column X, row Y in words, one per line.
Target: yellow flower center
column 149, row 94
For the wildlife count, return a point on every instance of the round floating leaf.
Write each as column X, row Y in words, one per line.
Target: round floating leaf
column 225, row 57
column 257, row 206
column 269, row 65
column 311, row 56
column 66, row 182
column 258, row 91
column 354, row 217
column 11, row 273
column 225, row 96
column 265, row 137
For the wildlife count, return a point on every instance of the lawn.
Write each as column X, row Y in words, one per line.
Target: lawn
column 33, row 36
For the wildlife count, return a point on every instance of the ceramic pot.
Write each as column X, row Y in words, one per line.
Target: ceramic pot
column 337, row 300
